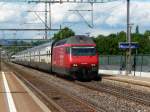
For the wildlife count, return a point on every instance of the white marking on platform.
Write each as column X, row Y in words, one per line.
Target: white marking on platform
column 35, row 98
column 11, row 104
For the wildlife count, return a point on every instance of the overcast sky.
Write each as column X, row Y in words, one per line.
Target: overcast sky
column 108, row 17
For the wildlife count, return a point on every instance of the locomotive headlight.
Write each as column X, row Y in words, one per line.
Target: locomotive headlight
column 74, row 65
column 93, row 65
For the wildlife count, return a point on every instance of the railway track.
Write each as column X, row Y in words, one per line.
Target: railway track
column 87, row 96
column 54, row 96
column 118, row 91
column 128, row 81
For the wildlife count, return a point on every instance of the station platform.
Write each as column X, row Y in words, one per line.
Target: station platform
column 136, row 80
column 118, row 72
column 16, row 97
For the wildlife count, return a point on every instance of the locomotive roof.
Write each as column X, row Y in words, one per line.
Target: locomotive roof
column 78, row 39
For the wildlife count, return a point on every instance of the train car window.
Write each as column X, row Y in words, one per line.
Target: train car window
column 83, row 51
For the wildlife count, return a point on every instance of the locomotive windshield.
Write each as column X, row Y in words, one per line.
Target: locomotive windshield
column 83, row 51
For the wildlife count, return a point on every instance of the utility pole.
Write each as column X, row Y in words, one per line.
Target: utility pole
column 92, row 15
column 50, row 16
column 45, row 20
column 47, row 12
column 61, row 35
column 128, row 20
column 128, row 39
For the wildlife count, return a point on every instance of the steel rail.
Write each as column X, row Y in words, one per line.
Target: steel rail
column 145, row 84
column 118, row 92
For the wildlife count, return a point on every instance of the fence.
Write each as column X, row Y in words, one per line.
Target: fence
column 140, row 63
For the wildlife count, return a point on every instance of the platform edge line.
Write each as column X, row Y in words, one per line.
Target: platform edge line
column 35, row 98
column 11, row 104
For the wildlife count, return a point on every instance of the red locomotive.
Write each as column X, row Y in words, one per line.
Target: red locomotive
column 75, row 57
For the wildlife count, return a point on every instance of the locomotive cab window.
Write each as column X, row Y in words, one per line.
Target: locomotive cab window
column 83, row 51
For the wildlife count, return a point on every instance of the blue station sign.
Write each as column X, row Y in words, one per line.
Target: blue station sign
column 126, row 45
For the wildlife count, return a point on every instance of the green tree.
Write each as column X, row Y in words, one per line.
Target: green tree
column 147, row 33
column 64, row 33
column 108, row 45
